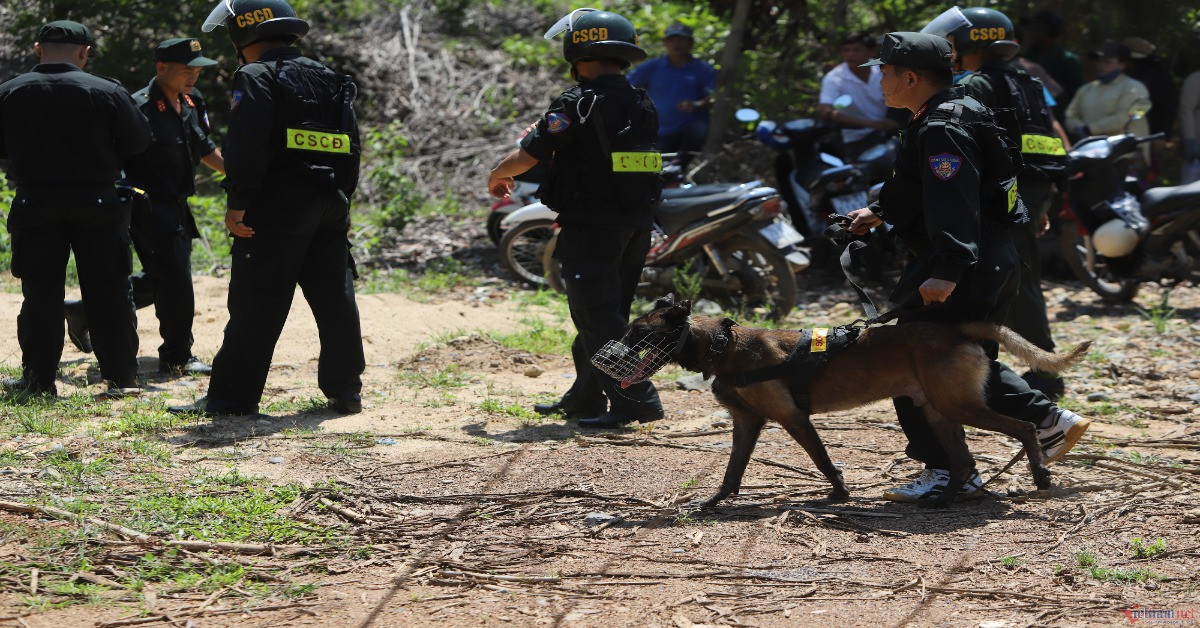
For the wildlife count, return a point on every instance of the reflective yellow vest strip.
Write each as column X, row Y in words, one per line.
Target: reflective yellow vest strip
column 637, row 162
column 1042, row 145
column 303, row 139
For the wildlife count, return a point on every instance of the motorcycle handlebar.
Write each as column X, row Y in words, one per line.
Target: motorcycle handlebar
column 1142, row 139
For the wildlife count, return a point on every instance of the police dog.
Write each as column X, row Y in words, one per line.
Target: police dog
column 940, row 366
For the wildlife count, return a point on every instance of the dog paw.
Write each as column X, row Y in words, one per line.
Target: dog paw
column 1041, row 477
column 699, row 504
column 839, row 494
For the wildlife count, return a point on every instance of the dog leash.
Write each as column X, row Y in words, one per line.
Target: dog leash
column 838, row 233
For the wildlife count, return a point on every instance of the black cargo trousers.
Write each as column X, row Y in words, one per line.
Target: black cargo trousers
column 47, row 223
column 1027, row 316
column 986, row 293
column 299, row 239
column 601, row 267
column 164, row 246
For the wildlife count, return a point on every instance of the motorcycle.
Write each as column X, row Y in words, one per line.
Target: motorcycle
column 817, row 184
column 1115, row 238
column 729, row 243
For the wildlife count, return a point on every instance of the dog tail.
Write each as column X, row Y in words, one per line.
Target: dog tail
column 1024, row 350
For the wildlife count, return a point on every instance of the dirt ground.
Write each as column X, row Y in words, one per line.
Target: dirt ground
column 458, row 508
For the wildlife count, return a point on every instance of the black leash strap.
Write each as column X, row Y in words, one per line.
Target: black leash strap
column 908, row 306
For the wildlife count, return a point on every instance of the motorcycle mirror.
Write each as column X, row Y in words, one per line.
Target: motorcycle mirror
column 843, row 101
column 746, row 115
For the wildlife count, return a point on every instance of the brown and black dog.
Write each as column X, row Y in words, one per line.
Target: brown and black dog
column 940, row 366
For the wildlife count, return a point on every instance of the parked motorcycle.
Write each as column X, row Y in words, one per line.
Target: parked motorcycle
column 731, row 243
column 817, row 184
column 523, row 193
column 1113, row 238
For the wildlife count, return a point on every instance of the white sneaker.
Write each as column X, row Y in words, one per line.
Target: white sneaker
column 1065, row 429
column 930, row 484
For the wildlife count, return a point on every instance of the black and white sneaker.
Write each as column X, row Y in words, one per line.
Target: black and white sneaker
column 930, row 485
column 1063, row 429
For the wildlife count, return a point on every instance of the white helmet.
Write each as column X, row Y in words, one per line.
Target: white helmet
column 1115, row 239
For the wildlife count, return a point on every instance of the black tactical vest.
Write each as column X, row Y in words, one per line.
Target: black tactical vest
column 614, row 155
column 1002, row 158
column 1032, row 126
column 317, row 133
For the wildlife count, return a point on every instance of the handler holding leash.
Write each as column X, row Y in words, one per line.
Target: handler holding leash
column 952, row 201
column 604, row 183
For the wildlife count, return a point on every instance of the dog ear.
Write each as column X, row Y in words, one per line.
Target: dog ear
column 666, row 301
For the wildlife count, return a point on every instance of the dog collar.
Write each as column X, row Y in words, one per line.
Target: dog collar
column 720, row 342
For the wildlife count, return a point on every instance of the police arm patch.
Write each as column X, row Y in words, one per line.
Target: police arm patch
column 236, row 99
column 945, row 165
column 557, row 122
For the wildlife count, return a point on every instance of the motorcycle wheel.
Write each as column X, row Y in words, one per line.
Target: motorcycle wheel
column 1091, row 267
column 765, row 278
column 522, row 250
column 493, row 226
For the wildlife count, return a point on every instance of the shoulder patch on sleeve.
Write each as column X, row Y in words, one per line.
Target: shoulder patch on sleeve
column 557, row 122
column 945, row 165
column 236, row 99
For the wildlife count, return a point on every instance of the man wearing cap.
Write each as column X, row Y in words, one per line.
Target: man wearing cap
column 952, row 203
column 66, row 134
column 681, row 87
column 163, row 237
column 1103, row 106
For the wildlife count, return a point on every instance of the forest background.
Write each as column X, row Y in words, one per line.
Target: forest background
column 446, row 85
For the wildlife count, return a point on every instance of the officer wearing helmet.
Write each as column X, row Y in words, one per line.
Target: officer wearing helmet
column 952, row 202
column 292, row 158
column 982, row 39
column 604, row 183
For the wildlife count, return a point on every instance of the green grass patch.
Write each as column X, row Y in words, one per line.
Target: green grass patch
column 297, row 405
column 450, row 377
column 1087, row 558
column 537, row 337
column 1011, row 562
column 249, row 514
column 1143, row 549
column 1105, row 574
column 440, row 277
column 495, row 406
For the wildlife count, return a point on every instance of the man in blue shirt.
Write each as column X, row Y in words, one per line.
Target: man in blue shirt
column 681, row 87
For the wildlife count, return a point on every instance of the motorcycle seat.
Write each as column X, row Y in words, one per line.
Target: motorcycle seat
column 695, row 190
column 674, row 213
column 1157, row 201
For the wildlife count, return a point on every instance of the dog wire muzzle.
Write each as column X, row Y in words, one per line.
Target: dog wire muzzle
column 632, row 365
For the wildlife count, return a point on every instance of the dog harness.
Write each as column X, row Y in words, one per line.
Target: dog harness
column 806, row 360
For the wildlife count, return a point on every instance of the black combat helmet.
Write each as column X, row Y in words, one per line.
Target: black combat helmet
column 592, row 34
column 989, row 32
column 251, row 21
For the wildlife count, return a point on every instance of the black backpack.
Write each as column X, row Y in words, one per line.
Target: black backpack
column 1032, row 126
column 1003, row 158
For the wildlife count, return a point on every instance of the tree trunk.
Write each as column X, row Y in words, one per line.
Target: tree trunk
column 722, row 109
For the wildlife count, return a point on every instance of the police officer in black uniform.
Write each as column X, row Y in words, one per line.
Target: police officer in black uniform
column 292, row 156
column 604, row 183
column 66, row 135
column 952, row 201
column 163, row 236
column 984, row 47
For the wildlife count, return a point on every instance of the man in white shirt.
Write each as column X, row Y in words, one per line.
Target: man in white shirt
column 862, row 85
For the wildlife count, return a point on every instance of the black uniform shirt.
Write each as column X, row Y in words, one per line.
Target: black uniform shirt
column 933, row 199
column 560, row 136
column 254, row 144
column 60, row 125
column 168, row 167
